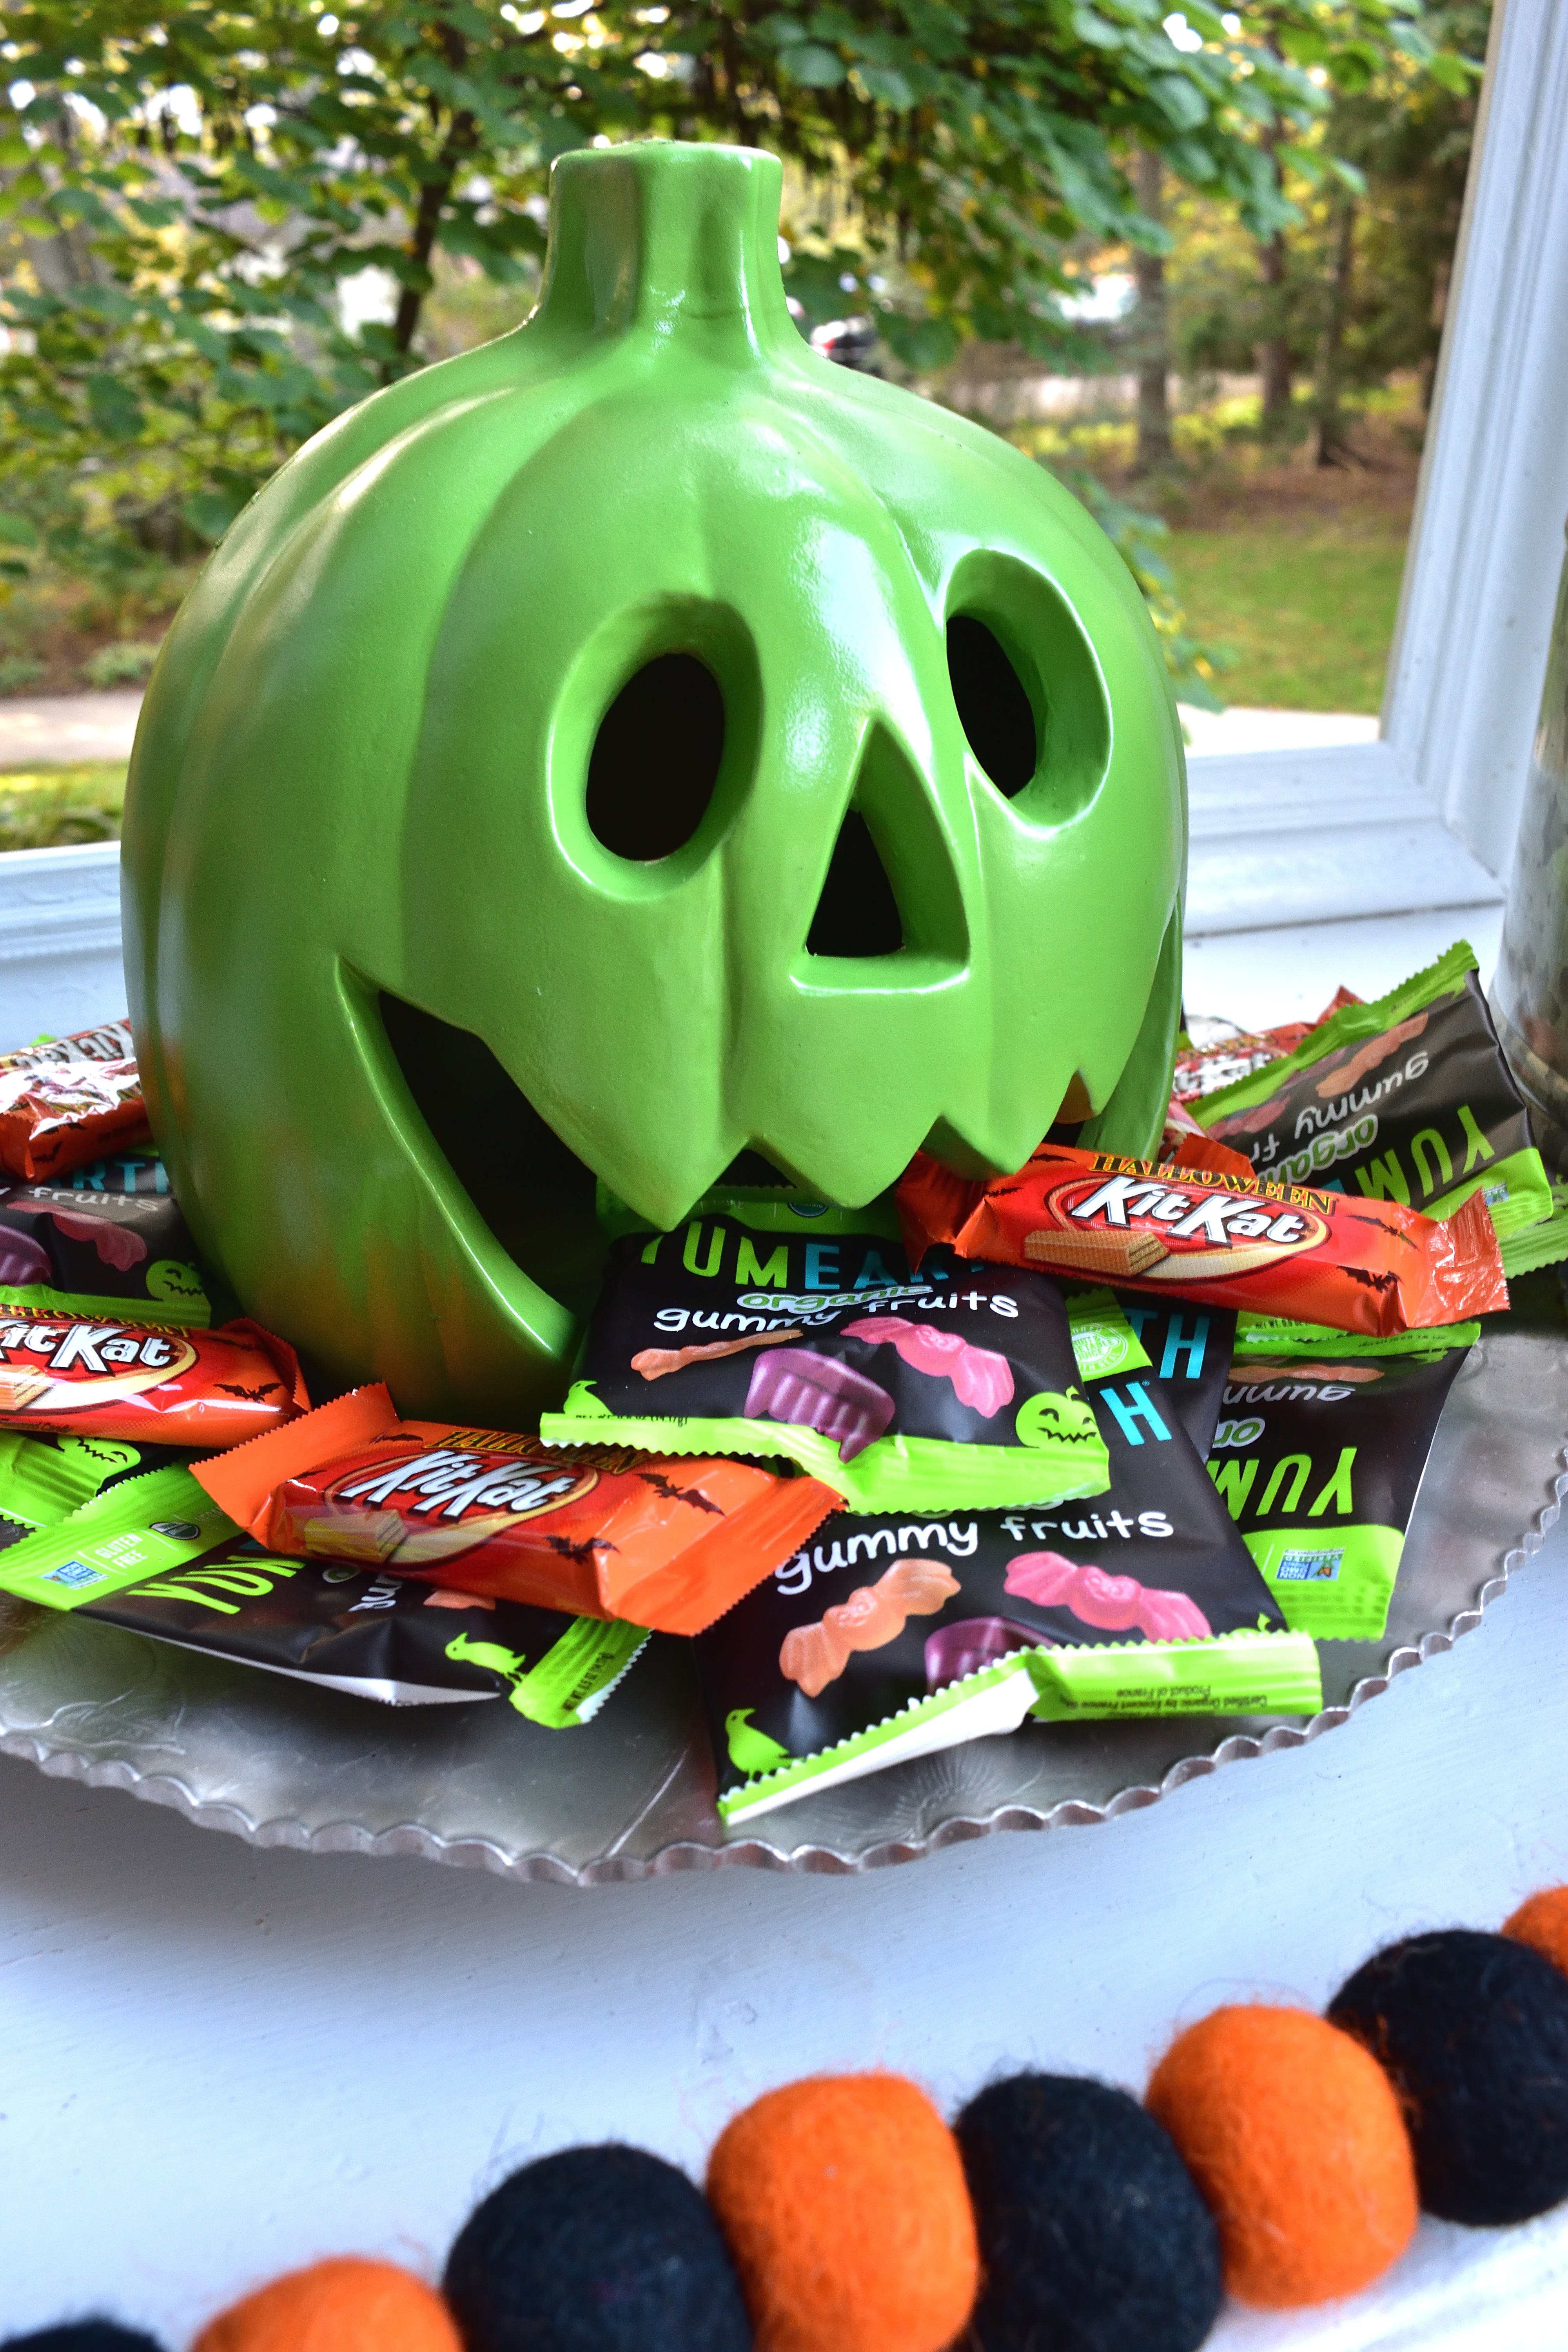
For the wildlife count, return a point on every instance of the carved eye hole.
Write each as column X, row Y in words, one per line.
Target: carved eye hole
column 656, row 758
column 996, row 713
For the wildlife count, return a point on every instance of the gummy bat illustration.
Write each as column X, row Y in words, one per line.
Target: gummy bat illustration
column 979, row 1378
column 1346, row 1075
column 654, row 1362
column 1118, row 1604
column 872, row 1616
column 812, row 1391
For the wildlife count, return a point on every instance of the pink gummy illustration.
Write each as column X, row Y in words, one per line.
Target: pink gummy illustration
column 115, row 1244
column 979, row 1378
column 812, row 1391
column 1115, row 1604
column 872, row 1616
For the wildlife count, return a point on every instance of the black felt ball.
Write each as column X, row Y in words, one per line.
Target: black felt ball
column 1093, row 2237
column 595, row 2250
column 1472, row 2032
column 82, row 2336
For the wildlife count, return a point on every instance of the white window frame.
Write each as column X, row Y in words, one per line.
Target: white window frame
column 1421, row 818
column 1425, row 817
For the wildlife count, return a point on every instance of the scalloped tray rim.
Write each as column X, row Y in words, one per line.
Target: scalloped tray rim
column 411, row 1838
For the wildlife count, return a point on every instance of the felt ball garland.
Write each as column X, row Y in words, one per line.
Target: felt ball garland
column 606, row 2248
column 1473, row 2032
column 345, row 2305
column 1282, row 2153
column 83, row 2335
column 1541, row 1922
column 845, row 2201
column 1293, row 2134
column 1093, row 2235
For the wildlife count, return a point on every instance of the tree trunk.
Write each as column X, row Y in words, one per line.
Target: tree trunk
column 458, row 144
column 1152, row 345
column 1333, row 448
column 1274, row 364
column 65, row 261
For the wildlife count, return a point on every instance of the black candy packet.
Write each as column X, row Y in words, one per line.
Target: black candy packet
column 371, row 1635
column 104, row 1234
column 886, row 1639
column 1409, row 1099
column 1318, row 1455
column 955, row 1387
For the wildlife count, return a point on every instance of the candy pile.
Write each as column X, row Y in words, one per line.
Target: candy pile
column 1099, row 1438
column 1277, row 2156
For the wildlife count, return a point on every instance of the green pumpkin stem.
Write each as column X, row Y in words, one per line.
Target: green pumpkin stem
column 668, row 242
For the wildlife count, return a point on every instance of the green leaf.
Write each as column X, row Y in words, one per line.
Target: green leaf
column 924, row 345
column 1458, row 76
column 116, row 411
column 813, row 66
column 210, row 513
column 16, row 530
column 1092, row 28
column 886, row 83
column 1179, row 99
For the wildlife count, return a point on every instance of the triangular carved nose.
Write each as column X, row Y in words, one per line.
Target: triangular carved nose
column 857, row 913
column 890, row 887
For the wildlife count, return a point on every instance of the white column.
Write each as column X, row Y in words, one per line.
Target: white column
column 1470, row 650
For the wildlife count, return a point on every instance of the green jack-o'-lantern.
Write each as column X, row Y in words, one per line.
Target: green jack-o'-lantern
column 631, row 745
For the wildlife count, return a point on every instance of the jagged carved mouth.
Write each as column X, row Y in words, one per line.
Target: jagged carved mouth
column 532, row 1193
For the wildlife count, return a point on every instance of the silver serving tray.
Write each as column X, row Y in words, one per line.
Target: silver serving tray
column 631, row 1795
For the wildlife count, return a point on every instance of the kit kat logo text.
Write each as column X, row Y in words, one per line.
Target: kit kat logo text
column 1161, row 1231
column 447, row 1484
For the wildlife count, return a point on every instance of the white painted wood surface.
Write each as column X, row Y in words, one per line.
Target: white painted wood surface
column 219, row 2063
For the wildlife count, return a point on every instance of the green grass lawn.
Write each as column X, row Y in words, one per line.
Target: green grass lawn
column 43, row 808
column 1308, row 612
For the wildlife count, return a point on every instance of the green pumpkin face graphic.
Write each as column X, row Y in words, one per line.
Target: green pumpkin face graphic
column 631, row 745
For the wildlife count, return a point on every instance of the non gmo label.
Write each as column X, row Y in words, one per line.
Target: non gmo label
column 1309, row 1567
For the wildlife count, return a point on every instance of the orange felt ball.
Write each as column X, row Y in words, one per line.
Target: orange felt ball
column 844, row 2201
column 343, row 2305
column 1542, row 1921
column 1293, row 2134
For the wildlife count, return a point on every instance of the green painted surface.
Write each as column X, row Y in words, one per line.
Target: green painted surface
column 363, row 767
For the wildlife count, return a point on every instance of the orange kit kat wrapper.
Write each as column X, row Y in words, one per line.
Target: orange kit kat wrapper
column 88, row 1375
column 597, row 1531
column 58, row 1115
column 1219, row 1238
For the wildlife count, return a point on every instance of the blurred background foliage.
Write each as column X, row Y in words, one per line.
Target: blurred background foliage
column 221, row 225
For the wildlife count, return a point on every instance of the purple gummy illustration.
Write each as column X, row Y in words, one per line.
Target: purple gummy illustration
column 21, row 1258
column 954, row 1651
column 812, row 1391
